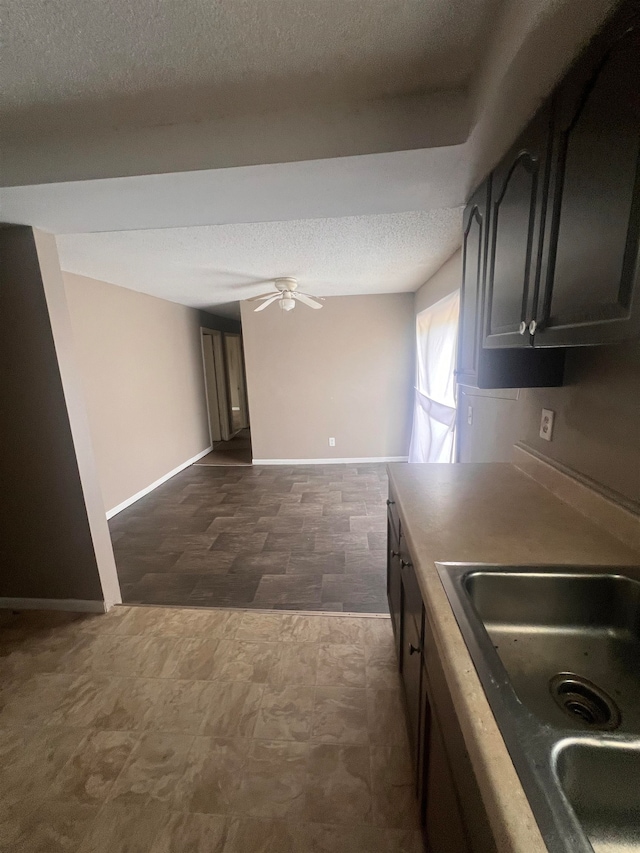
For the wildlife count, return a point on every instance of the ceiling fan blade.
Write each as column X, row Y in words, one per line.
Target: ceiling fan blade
column 307, row 300
column 264, row 296
column 267, row 302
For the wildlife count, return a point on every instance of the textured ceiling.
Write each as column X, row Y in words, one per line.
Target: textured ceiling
column 212, row 266
column 342, row 186
column 154, row 62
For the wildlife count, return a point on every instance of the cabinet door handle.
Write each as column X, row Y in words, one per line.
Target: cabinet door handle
column 522, row 328
column 390, row 502
column 395, row 554
column 413, row 649
column 405, row 564
column 532, row 327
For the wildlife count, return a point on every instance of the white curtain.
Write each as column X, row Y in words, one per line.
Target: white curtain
column 432, row 439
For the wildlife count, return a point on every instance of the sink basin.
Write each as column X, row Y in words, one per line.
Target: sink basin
column 545, row 625
column 601, row 781
column 557, row 650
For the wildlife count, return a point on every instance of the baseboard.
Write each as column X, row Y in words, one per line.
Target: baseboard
column 75, row 605
column 143, row 492
column 351, row 460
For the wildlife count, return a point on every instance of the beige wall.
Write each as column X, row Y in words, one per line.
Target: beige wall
column 345, row 371
column 597, row 423
column 441, row 284
column 54, row 541
column 141, row 367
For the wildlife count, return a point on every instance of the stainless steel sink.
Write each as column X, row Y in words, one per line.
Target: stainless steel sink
column 546, row 624
column 558, row 652
column 601, row 781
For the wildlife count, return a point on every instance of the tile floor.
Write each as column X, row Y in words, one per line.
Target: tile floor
column 235, row 451
column 270, row 537
column 158, row 730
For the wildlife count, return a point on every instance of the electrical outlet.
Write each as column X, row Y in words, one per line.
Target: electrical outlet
column 332, row 442
column 470, row 415
column 546, row 424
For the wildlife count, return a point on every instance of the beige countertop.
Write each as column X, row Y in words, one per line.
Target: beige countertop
column 489, row 513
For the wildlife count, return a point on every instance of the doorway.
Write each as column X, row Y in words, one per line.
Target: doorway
column 226, row 395
column 236, row 385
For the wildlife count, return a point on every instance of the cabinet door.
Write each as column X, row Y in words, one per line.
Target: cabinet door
column 411, row 667
column 517, row 210
column 478, row 366
column 450, row 781
column 474, row 254
column 443, row 822
column 592, row 253
column 426, row 713
column 394, row 584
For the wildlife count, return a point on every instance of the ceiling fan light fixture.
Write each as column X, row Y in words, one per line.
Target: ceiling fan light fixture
column 286, row 294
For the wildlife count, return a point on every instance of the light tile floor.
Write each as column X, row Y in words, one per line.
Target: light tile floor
column 157, row 730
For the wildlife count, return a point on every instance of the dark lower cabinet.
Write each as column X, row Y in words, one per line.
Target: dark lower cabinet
column 394, row 576
column 411, row 676
column 394, row 588
column 449, row 782
column 444, row 828
column 451, row 810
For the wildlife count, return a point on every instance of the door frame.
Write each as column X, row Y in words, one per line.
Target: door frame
column 221, row 384
column 244, row 411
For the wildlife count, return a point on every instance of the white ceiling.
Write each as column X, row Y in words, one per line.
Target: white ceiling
column 266, row 137
column 342, row 186
column 151, row 62
column 211, row 266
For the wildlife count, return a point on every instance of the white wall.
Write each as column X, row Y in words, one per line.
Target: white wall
column 443, row 282
column 345, row 371
column 528, row 51
column 141, row 368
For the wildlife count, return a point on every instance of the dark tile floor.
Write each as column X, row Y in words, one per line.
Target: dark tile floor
column 235, row 451
column 270, row 537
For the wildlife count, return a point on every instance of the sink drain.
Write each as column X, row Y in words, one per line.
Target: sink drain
column 583, row 700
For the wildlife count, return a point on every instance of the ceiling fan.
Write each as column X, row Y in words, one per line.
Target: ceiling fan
column 287, row 294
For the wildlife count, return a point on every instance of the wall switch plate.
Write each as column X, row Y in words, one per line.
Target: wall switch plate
column 470, row 415
column 332, row 442
column 546, row 424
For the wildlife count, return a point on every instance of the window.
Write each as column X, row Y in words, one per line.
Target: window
column 434, row 417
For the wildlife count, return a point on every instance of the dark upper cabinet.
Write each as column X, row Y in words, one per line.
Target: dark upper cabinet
column 480, row 367
column 563, row 265
column 591, row 289
column 474, row 249
column 516, row 221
